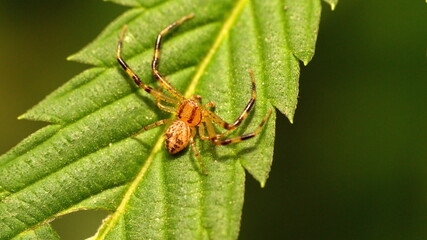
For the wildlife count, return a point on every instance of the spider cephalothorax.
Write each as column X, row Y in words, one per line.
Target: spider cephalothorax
column 190, row 113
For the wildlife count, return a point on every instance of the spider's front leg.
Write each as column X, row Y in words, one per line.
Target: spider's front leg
column 136, row 79
column 154, row 64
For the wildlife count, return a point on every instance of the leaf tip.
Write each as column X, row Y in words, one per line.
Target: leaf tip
column 27, row 116
column 37, row 116
column 22, row 116
column 305, row 62
column 128, row 3
column 333, row 3
column 290, row 115
column 72, row 57
column 305, row 56
column 77, row 57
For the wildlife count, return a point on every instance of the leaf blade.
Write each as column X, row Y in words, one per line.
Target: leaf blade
column 302, row 19
column 43, row 232
column 89, row 152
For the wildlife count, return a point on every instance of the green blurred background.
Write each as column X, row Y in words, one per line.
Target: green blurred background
column 352, row 166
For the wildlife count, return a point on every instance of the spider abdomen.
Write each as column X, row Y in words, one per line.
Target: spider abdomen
column 177, row 136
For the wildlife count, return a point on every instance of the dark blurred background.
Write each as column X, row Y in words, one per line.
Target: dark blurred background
column 352, row 166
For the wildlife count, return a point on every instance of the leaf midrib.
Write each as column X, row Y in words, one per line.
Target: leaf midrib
column 221, row 35
column 228, row 23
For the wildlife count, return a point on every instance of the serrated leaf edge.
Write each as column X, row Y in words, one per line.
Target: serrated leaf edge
column 103, row 232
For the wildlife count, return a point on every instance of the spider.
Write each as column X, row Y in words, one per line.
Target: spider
column 189, row 111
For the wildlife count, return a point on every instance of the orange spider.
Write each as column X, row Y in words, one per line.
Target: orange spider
column 189, row 111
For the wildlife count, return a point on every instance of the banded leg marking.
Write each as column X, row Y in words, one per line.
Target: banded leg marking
column 243, row 137
column 135, row 77
column 218, row 120
column 156, row 57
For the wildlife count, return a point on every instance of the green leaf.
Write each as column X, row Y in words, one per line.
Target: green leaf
column 87, row 160
column 303, row 24
column 333, row 3
column 44, row 232
column 131, row 3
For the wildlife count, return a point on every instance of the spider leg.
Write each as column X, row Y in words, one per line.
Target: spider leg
column 156, row 57
column 164, row 107
column 209, row 104
column 202, row 132
column 153, row 125
column 198, row 98
column 196, row 152
column 243, row 137
column 135, row 77
column 211, row 130
column 218, row 120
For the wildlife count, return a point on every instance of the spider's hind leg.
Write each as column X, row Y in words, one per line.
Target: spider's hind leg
column 218, row 141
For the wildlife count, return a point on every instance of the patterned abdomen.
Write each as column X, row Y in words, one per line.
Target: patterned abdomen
column 177, row 136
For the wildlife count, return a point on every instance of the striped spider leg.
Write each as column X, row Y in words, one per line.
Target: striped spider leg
column 189, row 111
